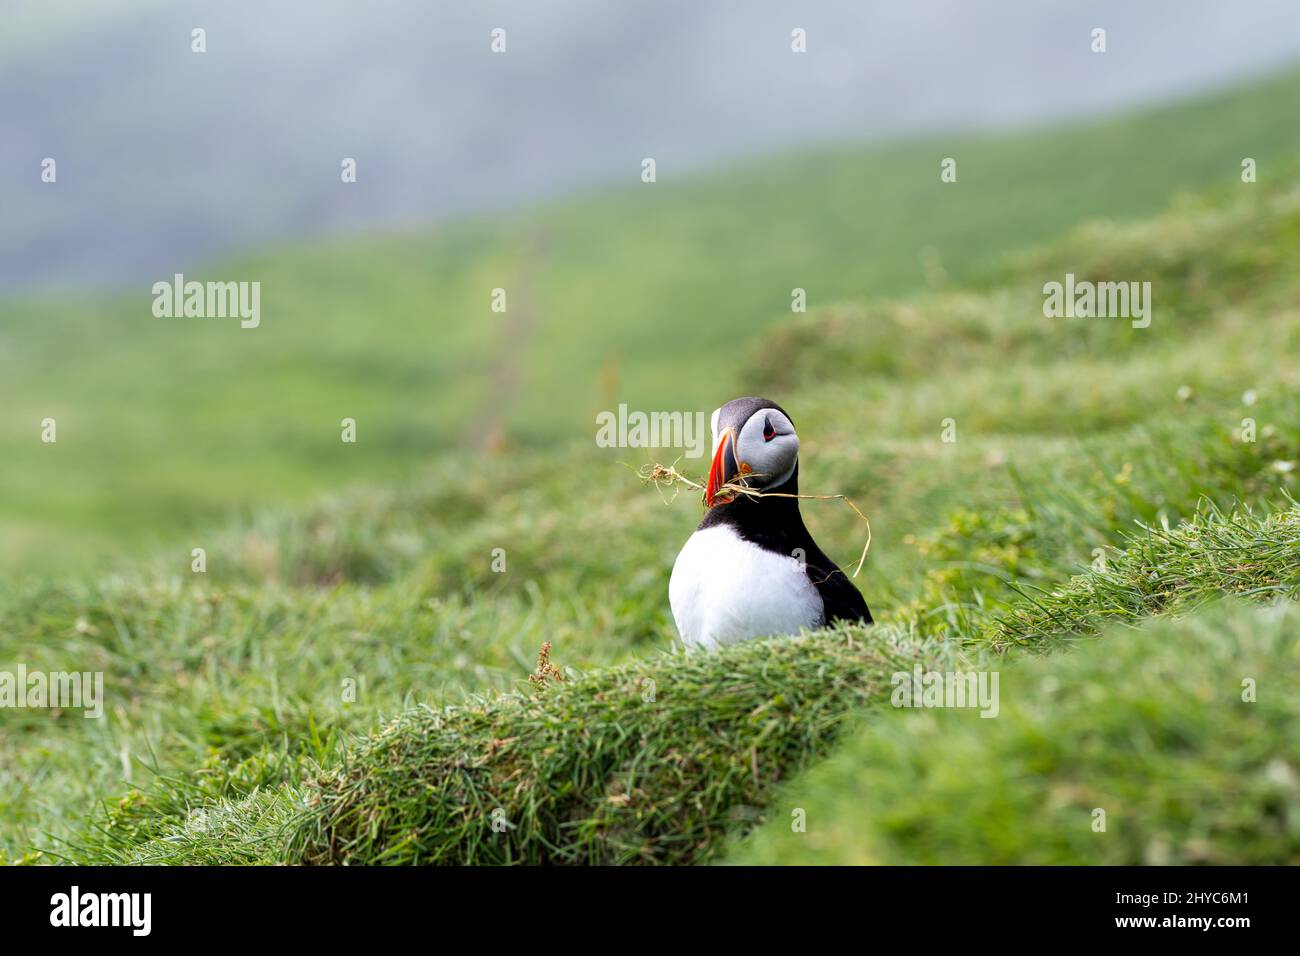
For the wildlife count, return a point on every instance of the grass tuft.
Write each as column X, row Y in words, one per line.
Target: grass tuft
column 1165, row 569
column 652, row 762
column 1151, row 726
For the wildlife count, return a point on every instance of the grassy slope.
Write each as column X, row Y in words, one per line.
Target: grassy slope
column 1148, row 725
column 660, row 760
column 241, row 673
column 1069, row 431
column 638, row 296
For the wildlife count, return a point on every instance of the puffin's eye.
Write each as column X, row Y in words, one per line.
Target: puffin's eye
column 768, row 431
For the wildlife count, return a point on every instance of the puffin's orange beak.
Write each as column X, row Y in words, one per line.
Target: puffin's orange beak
column 724, row 468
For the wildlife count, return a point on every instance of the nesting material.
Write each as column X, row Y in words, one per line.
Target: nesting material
column 667, row 476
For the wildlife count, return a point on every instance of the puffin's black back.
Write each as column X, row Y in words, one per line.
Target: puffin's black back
column 776, row 525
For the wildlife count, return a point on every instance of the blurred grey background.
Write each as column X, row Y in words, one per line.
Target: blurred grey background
column 169, row 154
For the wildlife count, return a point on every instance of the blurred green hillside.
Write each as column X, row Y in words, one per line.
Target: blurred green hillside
column 648, row 295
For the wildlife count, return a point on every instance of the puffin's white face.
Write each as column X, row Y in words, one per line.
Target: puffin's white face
column 762, row 448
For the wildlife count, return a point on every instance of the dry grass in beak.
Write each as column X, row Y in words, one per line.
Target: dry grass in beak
column 667, row 476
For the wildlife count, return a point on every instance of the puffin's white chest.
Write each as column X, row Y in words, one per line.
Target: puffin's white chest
column 725, row 589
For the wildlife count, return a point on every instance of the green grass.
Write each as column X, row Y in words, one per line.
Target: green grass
column 658, row 761
column 230, row 693
column 629, row 764
column 1147, row 725
column 214, row 673
column 1165, row 570
column 242, row 671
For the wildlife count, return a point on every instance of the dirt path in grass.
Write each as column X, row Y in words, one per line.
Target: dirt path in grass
column 487, row 426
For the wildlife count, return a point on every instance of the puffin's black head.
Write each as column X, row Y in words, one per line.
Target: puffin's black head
column 753, row 440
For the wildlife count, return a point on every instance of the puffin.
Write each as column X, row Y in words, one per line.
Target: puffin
column 751, row 569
